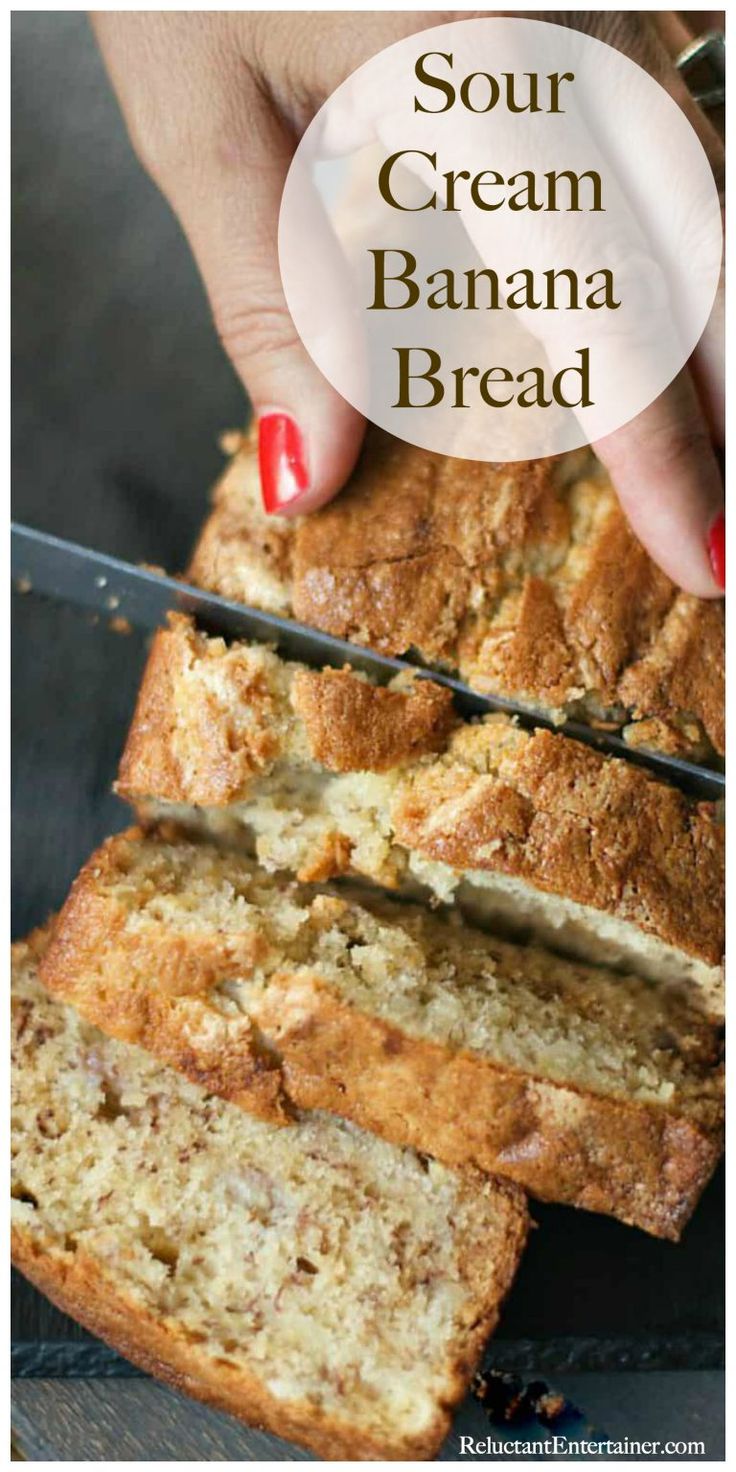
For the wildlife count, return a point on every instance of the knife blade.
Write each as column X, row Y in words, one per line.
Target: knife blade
column 48, row 565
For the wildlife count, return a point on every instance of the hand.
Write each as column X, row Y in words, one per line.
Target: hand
column 215, row 103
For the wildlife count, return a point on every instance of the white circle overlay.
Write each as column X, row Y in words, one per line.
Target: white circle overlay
column 546, row 259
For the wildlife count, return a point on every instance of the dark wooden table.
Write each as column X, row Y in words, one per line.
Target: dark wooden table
column 120, row 390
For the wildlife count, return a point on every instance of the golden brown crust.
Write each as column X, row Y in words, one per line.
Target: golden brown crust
column 634, row 1161
column 212, row 719
column 644, row 1163
column 394, row 561
column 525, row 651
column 205, row 720
column 79, row 1286
column 470, row 564
column 616, row 607
column 169, row 1020
column 241, row 552
column 684, row 667
column 566, row 819
column 353, row 726
column 148, row 751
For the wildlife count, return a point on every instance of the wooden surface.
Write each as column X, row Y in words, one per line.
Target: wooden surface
column 140, row 1421
column 129, row 1420
column 120, row 390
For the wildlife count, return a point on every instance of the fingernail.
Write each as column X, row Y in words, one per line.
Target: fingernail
column 717, row 549
column 282, row 462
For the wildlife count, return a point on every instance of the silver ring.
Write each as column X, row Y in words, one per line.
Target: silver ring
column 706, row 51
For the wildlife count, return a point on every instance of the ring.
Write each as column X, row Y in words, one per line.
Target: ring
column 706, row 52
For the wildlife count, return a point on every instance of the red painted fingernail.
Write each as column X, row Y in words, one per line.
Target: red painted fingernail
column 717, row 549
column 283, row 467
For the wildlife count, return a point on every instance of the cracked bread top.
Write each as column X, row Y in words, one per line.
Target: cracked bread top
column 217, row 723
column 524, row 577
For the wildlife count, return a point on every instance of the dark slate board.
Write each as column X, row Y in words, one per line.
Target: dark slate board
column 120, row 390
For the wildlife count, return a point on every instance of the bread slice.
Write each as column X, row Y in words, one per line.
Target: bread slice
column 314, row 1280
column 525, row 577
column 326, row 774
column 584, row 1088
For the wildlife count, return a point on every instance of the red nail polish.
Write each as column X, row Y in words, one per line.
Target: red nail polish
column 717, row 549
column 281, row 459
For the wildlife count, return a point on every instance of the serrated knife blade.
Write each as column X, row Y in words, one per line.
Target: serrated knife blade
column 48, row 565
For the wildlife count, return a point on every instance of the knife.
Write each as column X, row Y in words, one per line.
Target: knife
column 48, row 565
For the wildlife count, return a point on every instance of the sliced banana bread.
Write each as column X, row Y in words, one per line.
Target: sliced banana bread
column 526, row 577
column 326, row 774
column 597, row 1090
column 314, row 1280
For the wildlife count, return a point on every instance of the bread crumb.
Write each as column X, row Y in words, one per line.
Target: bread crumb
column 231, row 441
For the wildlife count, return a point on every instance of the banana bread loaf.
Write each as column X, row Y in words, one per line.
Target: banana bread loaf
column 315, row 1280
column 597, row 1090
column 324, row 774
column 525, row 577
